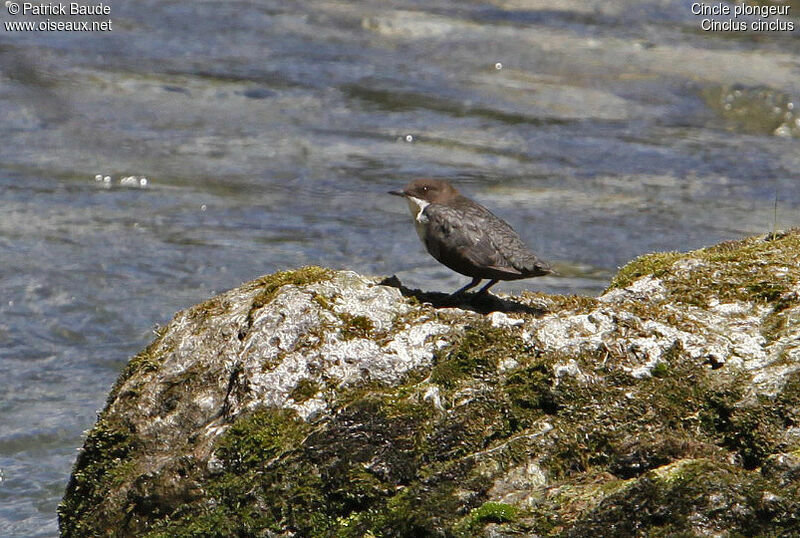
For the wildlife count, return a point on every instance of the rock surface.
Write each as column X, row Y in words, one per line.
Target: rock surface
column 323, row 403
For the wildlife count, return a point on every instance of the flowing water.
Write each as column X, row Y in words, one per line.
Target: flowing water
column 200, row 144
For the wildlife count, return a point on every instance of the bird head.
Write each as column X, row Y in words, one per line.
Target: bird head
column 431, row 191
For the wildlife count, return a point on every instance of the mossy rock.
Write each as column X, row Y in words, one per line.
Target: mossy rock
column 666, row 407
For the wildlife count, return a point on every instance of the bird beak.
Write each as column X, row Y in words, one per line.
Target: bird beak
column 397, row 193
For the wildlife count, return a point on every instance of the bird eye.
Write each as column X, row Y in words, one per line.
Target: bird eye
column 425, row 188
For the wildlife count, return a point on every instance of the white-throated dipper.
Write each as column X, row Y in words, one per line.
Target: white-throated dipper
column 467, row 237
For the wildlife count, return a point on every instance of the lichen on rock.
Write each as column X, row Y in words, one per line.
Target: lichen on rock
column 323, row 403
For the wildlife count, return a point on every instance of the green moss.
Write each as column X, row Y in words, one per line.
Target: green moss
column 637, row 455
column 530, row 393
column 606, row 426
column 269, row 285
column 422, row 509
column 101, row 463
column 216, row 522
column 235, row 505
column 679, row 499
column 144, row 361
column 757, row 269
column 476, row 355
column 660, row 370
column 473, row 524
column 493, row 512
column 259, row 437
column 323, row 301
column 596, row 421
column 756, row 429
column 355, row 326
column 210, row 308
column 566, row 504
column 482, row 422
column 386, row 464
column 655, row 265
column 560, row 303
column 304, row 390
column 752, row 269
column 670, row 501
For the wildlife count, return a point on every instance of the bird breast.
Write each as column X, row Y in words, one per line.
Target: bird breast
column 417, row 206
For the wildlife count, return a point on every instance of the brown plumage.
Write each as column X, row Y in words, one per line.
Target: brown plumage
column 466, row 237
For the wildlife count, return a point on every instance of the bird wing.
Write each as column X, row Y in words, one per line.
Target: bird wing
column 516, row 252
column 478, row 237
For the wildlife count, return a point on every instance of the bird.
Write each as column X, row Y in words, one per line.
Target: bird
column 468, row 238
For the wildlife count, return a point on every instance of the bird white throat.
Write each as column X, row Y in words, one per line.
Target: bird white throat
column 417, row 206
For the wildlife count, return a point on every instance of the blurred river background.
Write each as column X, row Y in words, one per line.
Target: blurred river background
column 200, row 144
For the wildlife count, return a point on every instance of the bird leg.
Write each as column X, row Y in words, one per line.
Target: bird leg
column 487, row 286
column 475, row 282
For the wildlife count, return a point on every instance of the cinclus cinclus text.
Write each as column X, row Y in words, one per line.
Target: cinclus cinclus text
column 467, row 237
